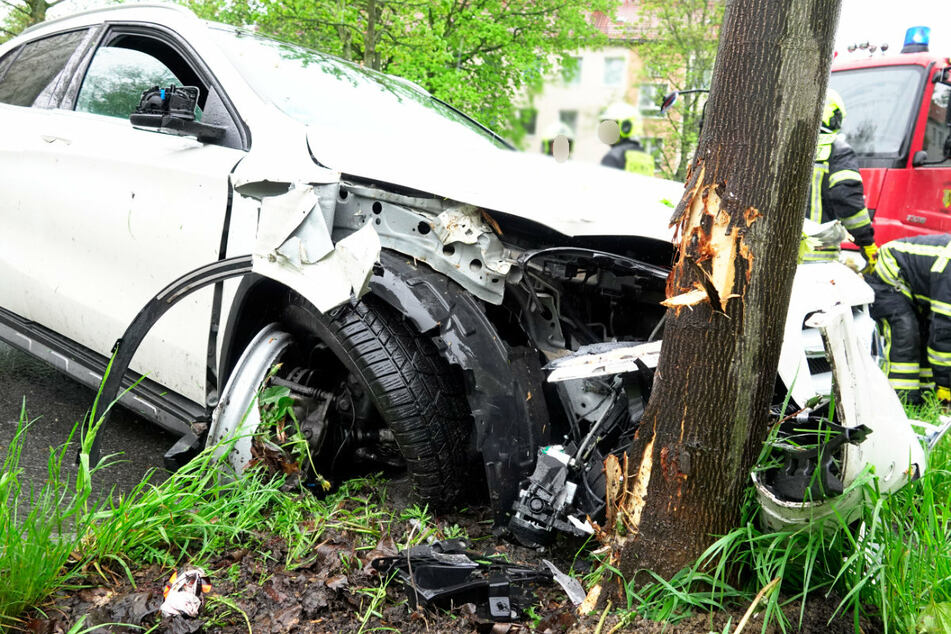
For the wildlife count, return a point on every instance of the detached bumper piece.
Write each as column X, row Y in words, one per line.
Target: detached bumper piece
column 445, row 574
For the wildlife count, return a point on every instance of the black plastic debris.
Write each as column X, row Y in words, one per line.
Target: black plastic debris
column 446, row 574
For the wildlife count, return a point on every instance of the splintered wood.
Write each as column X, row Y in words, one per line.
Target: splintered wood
column 710, row 244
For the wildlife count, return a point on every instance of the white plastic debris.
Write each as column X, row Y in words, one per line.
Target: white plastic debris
column 183, row 593
column 570, row 585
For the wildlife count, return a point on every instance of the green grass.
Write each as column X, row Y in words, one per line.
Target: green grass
column 196, row 514
column 894, row 565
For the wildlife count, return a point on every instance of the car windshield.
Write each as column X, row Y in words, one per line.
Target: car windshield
column 327, row 92
column 878, row 108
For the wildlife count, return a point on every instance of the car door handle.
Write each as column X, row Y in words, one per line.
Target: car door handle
column 49, row 138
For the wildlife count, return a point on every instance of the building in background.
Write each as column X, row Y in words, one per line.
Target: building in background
column 577, row 97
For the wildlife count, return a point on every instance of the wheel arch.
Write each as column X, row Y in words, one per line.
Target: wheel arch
column 500, row 381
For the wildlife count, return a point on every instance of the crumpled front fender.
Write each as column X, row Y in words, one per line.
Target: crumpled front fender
column 296, row 202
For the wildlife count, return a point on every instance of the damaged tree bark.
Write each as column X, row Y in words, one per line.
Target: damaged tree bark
column 739, row 224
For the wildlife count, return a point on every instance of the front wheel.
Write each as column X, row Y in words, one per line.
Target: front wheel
column 372, row 394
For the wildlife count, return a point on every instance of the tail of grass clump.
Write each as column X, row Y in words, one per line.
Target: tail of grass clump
column 49, row 535
column 893, row 565
column 36, row 543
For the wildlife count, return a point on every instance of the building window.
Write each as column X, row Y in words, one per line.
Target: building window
column 648, row 99
column 613, row 71
column 528, row 117
column 571, row 71
column 569, row 118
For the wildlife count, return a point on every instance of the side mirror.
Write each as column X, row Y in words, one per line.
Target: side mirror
column 669, row 100
column 920, row 158
column 172, row 110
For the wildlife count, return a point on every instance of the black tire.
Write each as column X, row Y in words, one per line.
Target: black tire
column 417, row 394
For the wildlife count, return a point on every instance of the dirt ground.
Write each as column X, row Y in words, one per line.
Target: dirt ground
column 252, row 590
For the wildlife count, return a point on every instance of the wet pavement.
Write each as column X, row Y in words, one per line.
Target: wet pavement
column 56, row 403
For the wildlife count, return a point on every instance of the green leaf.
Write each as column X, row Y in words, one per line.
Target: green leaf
column 935, row 619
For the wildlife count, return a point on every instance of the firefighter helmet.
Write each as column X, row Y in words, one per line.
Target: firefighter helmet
column 554, row 131
column 834, row 112
column 629, row 121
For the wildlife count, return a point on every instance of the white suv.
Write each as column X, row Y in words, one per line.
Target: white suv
column 410, row 271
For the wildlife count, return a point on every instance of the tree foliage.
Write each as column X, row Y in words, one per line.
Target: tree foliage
column 680, row 47
column 477, row 55
column 21, row 14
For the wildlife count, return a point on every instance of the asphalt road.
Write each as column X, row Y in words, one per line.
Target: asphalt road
column 55, row 403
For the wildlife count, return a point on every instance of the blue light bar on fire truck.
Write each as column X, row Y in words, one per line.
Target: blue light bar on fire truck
column 916, row 39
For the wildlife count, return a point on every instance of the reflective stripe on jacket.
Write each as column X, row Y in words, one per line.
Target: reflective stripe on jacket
column 629, row 155
column 835, row 192
column 917, row 268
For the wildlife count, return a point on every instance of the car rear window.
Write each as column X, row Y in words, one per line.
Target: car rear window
column 36, row 66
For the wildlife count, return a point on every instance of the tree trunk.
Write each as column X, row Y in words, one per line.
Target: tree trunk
column 740, row 221
column 370, row 58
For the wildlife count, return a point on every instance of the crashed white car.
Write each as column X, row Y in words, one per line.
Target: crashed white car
column 215, row 203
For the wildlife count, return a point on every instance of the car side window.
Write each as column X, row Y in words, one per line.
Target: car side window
column 36, row 66
column 936, row 128
column 116, row 79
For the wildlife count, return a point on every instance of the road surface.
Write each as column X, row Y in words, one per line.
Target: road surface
column 55, row 403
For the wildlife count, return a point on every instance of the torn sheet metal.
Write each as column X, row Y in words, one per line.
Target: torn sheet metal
column 476, row 259
column 330, row 281
column 602, row 360
column 281, row 219
column 460, row 224
column 570, row 585
column 863, row 398
column 294, row 245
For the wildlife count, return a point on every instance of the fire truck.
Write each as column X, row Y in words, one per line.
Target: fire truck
column 898, row 121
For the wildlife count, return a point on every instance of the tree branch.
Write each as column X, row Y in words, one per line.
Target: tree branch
column 16, row 7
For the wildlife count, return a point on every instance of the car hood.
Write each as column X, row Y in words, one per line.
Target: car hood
column 573, row 198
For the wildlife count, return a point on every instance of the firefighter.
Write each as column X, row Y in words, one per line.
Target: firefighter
column 626, row 151
column 912, row 283
column 835, row 192
column 554, row 131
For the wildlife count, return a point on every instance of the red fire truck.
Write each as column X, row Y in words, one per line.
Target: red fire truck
column 898, row 121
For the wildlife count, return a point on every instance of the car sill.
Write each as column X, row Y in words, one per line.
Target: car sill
column 149, row 399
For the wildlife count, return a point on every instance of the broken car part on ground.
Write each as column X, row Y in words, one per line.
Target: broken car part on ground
column 446, row 574
column 412, row 304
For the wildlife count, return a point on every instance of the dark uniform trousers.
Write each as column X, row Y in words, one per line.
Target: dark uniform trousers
column 912, row 283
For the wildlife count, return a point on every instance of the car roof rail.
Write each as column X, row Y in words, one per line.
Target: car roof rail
column 119, row 7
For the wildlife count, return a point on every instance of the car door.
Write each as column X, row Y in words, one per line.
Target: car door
column 27, row 74
column 928, row 199
column 116, row 213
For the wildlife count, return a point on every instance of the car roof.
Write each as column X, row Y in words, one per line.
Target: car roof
column 145, row 12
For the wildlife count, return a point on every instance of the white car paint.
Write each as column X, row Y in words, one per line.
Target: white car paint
column 122, row 212
column 573, row 198
column 79, row 281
